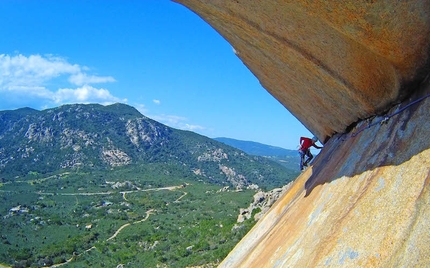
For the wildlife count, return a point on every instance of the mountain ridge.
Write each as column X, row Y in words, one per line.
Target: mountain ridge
column 95, row 136
column 288, row 158
column 257, row 148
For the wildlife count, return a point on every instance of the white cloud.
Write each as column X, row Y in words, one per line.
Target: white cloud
column 156, row 101
column 170, row 120
column 193, row 127
column 20, row 71
column 178, row 122
column 23, row 78
column 34, row 91
column 84, row 94
column 82, row 79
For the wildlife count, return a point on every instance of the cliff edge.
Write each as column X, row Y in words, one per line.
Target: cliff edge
column 357, row 75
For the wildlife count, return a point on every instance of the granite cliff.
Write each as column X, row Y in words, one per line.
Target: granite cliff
column 363, row 203
column 357, row 75
column 346, row 60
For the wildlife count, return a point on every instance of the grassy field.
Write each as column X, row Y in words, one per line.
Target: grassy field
column 99, row 219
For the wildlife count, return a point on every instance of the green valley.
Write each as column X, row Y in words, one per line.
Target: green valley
column 105, row 219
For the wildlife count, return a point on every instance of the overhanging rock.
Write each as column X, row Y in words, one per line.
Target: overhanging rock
column 330, row 63
column 365, row 201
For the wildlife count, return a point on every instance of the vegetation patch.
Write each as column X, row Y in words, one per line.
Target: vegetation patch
column 105, row 219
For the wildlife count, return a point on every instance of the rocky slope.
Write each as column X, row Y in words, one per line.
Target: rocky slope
column 263, row 201
column 106, row 137
column 355, row 73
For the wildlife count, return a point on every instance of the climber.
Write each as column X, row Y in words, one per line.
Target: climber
column 304, row 151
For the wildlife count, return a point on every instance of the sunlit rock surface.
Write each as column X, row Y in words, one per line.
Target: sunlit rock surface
column 342, row 67
column 331, row 63
column 365, row 202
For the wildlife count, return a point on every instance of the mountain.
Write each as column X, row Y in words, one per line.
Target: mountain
column 96, row 137
column 285, row 157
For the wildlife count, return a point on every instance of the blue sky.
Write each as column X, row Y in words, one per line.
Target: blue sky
column 155, row 55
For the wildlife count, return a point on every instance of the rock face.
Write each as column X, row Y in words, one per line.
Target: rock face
column 365, row 202
column 331, row 63
column 354, row 72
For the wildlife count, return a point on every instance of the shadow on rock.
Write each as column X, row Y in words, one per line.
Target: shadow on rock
column 391, row 142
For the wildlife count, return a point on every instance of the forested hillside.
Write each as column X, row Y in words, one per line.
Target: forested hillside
column 96, row 137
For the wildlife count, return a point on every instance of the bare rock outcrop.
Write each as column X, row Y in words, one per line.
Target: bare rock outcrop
column 331, row 63
column 115, row 157
column 262, row 201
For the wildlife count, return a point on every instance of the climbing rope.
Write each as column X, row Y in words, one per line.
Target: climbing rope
column 386, row 118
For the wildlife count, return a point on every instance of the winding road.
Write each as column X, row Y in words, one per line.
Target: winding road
column 148, row 213
column 128, row 224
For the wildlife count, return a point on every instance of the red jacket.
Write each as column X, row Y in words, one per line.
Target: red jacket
column 306, row 143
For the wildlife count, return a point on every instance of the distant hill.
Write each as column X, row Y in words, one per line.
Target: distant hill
column 288, row 158
column 255, row 148
column 96, row 137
